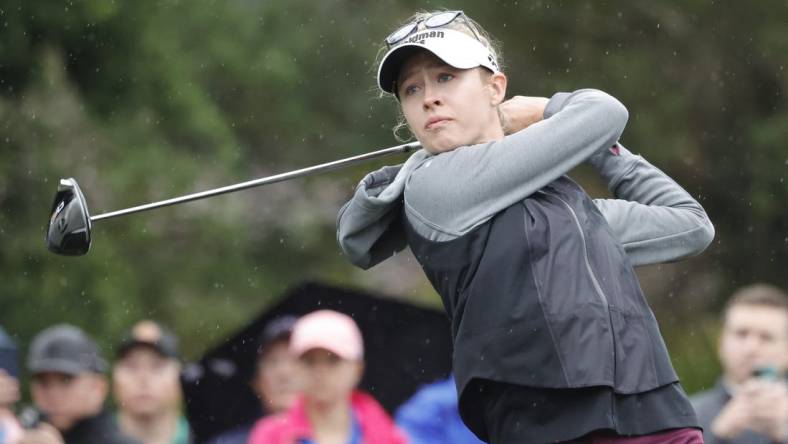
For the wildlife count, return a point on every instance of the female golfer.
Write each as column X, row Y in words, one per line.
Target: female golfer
column 553, row 338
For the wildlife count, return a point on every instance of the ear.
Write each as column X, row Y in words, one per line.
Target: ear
column 720, row 339
column 102, row 388
column 360, row 367
column 497, row 86
column 256, row 384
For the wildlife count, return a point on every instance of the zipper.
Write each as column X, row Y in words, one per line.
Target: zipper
column 591, row 274
column 599, row 292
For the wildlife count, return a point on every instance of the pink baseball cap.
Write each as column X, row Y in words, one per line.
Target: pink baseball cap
column 328, row 329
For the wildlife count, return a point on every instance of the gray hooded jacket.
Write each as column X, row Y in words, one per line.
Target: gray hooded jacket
column 536, row 277
column 447, row 195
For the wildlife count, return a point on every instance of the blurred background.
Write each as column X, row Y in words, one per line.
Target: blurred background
column 144, row 100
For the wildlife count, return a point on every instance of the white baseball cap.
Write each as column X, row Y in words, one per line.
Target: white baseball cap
column 455, row 48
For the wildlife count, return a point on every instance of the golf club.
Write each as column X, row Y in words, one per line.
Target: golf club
column 70, row 222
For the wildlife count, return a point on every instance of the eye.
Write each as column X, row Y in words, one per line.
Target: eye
column 445, row 77
column 411, row 89
column 767, row 338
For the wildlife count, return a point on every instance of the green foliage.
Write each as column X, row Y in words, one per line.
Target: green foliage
column 144, row 100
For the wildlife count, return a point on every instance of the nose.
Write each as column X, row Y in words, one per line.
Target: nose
column 431, row 97
column 753, row 344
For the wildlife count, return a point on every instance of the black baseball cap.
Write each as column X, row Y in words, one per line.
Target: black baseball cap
column 64, row 349
column 150, row 334
column 278, row 329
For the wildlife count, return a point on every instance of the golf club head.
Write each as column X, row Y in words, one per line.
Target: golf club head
column 69, row 224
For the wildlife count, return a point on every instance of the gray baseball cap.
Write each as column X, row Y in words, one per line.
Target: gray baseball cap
column 64, row 349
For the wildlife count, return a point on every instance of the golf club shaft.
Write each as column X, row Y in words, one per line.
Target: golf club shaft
column 405, row 148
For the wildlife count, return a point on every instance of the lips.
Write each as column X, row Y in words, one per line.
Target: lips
column 435, row 121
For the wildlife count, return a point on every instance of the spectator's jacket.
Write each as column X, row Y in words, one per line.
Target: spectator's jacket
column 292, row 426
column 236, row 435
column 182, row 435
column 708, row 406
column 99, row 429
column 431, row 416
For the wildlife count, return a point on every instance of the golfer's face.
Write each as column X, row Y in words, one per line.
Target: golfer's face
column 446, row 107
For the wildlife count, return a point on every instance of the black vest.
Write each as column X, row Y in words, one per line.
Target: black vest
column 543, row 295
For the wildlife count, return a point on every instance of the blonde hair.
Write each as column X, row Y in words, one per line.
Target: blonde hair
column 463, row 24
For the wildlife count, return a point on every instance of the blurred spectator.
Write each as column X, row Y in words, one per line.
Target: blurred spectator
column 69, row 388
column 330, row 352
column 275, row 380
column 431, row 416
column 749, row 404
column 147, row 386
column 10, row 430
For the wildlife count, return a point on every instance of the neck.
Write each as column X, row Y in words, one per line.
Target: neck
column 151, row 429
column 494, row 132
column 329, row 418
column 69, row 424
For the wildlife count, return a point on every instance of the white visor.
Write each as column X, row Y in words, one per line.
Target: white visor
column 455, row 48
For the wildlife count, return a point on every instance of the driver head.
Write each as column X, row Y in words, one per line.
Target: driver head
column 69, row 224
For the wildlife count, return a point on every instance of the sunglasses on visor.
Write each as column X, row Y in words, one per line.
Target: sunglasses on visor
column 437, row 20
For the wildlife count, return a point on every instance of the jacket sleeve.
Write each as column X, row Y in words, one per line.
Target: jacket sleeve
column 654, row 218
column 369, row 227
column 462, row 188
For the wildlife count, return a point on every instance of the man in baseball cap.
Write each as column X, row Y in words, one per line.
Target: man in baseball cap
column 146, row 383
column 69, row 387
